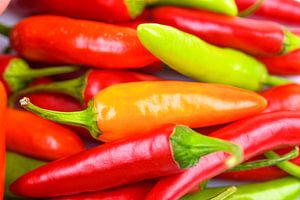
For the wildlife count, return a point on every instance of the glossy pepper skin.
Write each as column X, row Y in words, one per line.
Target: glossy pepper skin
column 284, row 10
column 102, row 10
column 288, row 64
column 89, row 84
column 251, row 36
column 16, row 74
column 16, row 166
column 156, row 103
column 2, row 136
column 54, row 39
column 39, row 138
column 280, row 189
column 255, row 135
column 165, row 151
column 135, row 191
column 191, row 56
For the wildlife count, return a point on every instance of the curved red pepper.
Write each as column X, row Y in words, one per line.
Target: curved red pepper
column 55, row 39
column 131, row 192
column 288, row 64
column 255, row 135
column 285, row 10
column 252, row 36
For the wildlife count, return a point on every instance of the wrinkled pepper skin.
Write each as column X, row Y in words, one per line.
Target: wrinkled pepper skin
column 54, row 39
column 248, row 35
column 102, row 10
column 255, row 135
column 288, row 64
column 16, row 166
column 165, row 151
column 280, row 189
column 36, row 137
column 131, row 192
column 284, row 10
column 2, row 136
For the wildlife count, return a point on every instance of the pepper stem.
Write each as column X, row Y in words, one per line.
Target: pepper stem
column 189, row 146
column 286, row 166
column 224, row 194
column 252, row 9
column 86, row 118
column 275, row 80
column 291, row 42
column 75, row 88
column 5, row 30
column 267, row 162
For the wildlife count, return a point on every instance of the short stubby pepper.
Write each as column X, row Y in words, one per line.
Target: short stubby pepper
column 191, row 56
column 256, row 37
column 162, row 152
column 151, row 104
column 62, row 40
column 16, row 166
column 16, row 74
column 280, row 189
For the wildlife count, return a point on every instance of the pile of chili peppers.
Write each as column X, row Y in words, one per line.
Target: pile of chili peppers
column 89, row 108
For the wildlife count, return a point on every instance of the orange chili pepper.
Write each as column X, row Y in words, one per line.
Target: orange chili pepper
column 36, row 137
column 2, row 137
column 124, row 110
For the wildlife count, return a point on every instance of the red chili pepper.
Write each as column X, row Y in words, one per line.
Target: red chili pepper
column 255, row 135
column 288, row 64
column 252, row 36
column 2, row 137
column 102, row 10
column 135, row 191
column 36, row 137
column 162, row 152
column 16, row 74
column 54, row 39
column 89, row 84
column 284, row 10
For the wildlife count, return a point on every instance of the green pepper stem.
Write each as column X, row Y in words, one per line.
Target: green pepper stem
column 225, row 194
column 286, row 166
column 291, row 42
column 267, row 162
column 48, row 71
column 275, row 80
column 189, row 146
column 5, row 30
column 252, row 9
column 86, row 118
column 75, row 88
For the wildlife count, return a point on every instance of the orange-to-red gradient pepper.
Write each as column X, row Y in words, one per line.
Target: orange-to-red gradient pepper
column 2, row 137
column 55, row 39
column 124, row 110
column 36, row 137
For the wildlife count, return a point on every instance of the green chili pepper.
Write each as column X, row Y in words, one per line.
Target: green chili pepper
column 227, row 7
column 201, row 61
column 280, row 189
column 16, row 166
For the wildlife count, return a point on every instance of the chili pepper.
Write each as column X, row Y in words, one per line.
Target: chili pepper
column 2, row 137
column 168, row 150
column 252, row 36
column 255, row 135
column 288, row 64
column 284, row 10
column 280, row 189
column 102, row 10
column 135, row 191
column 54, row 39
column 16, row 74
column 89, row 84
column 16, row 166
column 156, row 103
column 39, row 138
column 227, row 7
column 199, row 60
